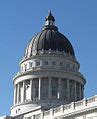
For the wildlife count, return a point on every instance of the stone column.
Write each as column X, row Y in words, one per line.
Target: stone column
column 23, row 91
column 33, row 117
column 59, row 88
column 49, row 90
column 18, row 93
column 31, row 84
column 80, row 91
column 39, row 92
column 75, row 90
column 68, row 90
column 14, row 94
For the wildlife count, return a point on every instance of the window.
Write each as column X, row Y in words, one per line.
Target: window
column 21, row 92
column 44, row 88
column 27, row 90
column 54, row 63
column 64, row 91
column 72, row 90
column 37, row 63
column 68, row 67
column 46, row 62
column 30, row 64
column 35, row 88
column 54, row 84
column 61, row 63
column 21, row 68
column 25, row 65
column 78, row 91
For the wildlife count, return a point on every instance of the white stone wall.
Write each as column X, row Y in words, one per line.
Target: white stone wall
column 61, row 74
column 50, row 61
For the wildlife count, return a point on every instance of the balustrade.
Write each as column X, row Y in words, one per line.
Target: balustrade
column 71, row 107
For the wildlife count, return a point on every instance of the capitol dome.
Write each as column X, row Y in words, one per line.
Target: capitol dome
column 49, row 39
column 49, row 72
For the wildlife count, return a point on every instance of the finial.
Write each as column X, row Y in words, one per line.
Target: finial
column 50, row 19
column 50, row 11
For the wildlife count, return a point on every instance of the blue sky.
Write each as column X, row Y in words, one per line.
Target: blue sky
column 20, row 20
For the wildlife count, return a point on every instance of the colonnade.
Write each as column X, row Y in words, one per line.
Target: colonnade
column 38, row 89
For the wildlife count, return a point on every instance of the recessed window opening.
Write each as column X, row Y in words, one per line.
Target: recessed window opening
column 54, row 63
column 37, row 63
column 46, row 62
column 61, row 63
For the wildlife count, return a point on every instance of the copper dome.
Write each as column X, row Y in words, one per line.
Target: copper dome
column 49, row 39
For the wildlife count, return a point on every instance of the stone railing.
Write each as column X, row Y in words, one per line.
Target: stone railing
column 66, row 109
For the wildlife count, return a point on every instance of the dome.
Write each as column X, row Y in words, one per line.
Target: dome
column 49, row 39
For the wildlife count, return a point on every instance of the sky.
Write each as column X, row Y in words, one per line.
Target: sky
column 20, row 20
